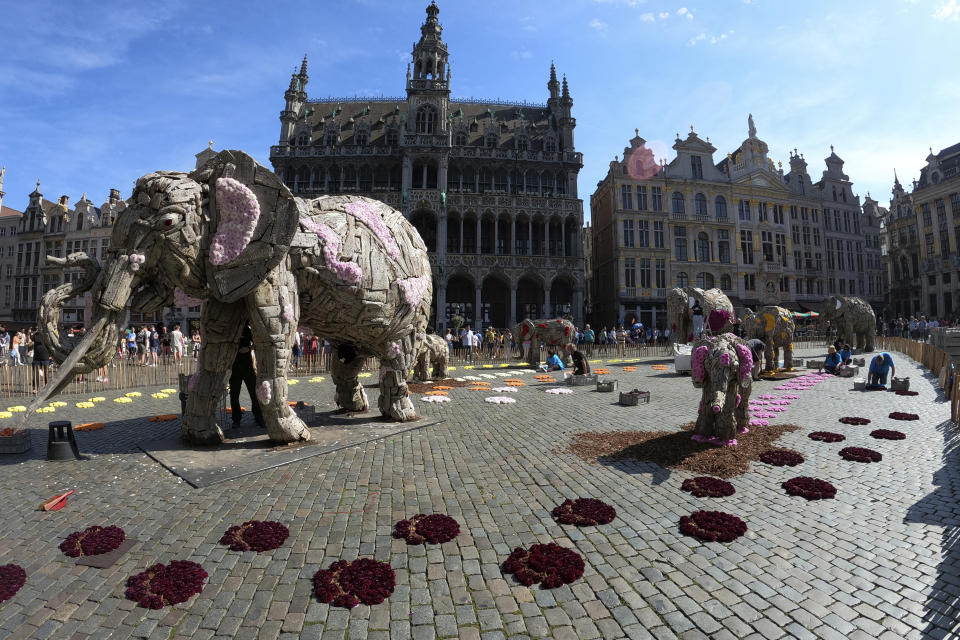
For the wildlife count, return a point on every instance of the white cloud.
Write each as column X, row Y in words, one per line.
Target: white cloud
column 663, row 15
column 712, row 39
column 697, row 38
column 647, row 17
column 949, row 10
column 528, row 24
column 598, row 25
column 683, row 11
column 523, row 54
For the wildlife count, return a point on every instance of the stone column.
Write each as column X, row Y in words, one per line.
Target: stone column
column 578, row 307
column 513, row 235
column 441, row 305
column 496, row 236
column 546, row 237
column 513, row 305
column 342, row 174
column 478, row 235
column 563, row 239
column 530, row 236
column 546, row 303
column 477, row 312
column 461, row 234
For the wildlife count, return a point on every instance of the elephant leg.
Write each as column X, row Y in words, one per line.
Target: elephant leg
column 220, row 328
column 725, row 426
column 274, row 314
column 394, row 401
column 769, row 356
column 440, row 366
column 868, row 341
column 788, row 356
column 345, row 367
column 422, row 372
column 743, row 409
column 704, row 426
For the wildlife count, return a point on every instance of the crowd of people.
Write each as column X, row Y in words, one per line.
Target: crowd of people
column 914, row 327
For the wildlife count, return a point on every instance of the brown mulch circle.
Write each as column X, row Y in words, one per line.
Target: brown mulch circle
column 423, row 387
column 675, row 450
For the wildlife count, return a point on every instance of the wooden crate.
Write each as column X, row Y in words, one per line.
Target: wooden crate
column 900, row 384
column 582, row 381
column 606, row 386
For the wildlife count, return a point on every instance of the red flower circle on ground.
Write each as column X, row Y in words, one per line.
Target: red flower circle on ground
column 549, row 564
column 92, row 541
column 855, row 421
column 12, row 577
column 347, row 584
column 255, row 535
column 707, row 487
column 899, row 415
column 713, row 526
column 810, row 488
column 781, row 457
column 859, row 454
column 436, row 528
column 584, row 512
column 827, row 436
column 161, row 585
column 888, row 434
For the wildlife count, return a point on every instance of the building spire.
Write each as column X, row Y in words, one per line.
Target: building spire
column 552, row 85
column 896, row 180
column 303, row 66
column 566, row 89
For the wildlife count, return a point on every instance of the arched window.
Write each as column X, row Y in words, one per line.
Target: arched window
column 460, row 140
column 705, row 280
column 550, row 145
column 490, row 141
column 330, row 140
column 720, row 207
column 677, row 202
column 682, row 279
column 522, row 143
column 700, row 204
column 361, row 137
column 393, row 139
column 426, row 119
column 303, row 140
column 561, row 184
column 904, row 268
column 725, row 283
column 703, row 247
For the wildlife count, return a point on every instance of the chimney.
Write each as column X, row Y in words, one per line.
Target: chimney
column 114, row 196
column 64, row 202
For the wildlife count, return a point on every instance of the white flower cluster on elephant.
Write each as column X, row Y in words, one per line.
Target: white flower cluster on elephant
column 232, row 235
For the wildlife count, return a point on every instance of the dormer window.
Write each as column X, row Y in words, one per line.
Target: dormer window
column 550, row 145
column 361, row 137
column 303, row 140
column 460, row 140
column 330, row 140
column 696, row 167
column 490, row 141
column 522, row 143
column 393, row 139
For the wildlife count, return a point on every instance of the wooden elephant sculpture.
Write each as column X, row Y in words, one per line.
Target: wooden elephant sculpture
column 854, row 318
column 556, row 333
column 680, row 317
column 232, row 237
column 722, row 368
column 775, row 326
column 433, row 352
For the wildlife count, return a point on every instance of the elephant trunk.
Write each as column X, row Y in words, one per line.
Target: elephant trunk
column 53, row 301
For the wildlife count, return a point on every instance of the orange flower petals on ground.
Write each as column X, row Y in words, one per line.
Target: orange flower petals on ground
column 92, row 426
column 442, row 387
column 242, row 409
column 166, row 417
column 436, row 393
column 516, row 384
column 602, row 372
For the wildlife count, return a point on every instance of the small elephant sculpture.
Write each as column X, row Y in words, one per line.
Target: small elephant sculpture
column 722, row 368
column 433, row 351
column 231, row 236
column 680, row 317
column 774, row 326
column 854, row 318
column 557, row 333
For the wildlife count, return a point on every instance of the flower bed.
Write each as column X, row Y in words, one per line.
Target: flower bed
column 855, row 421
column 810, row 488
column 888, row 434
column 827, row 436
column 757, row 422
column 504, row 389
column 713, row 526
column 255, row 535
column 899, row 415
column 12, row 577
column 901, row 392
column 93, row 541
column 584, row 512
column 347, row 584
column 781, row 457
column 499, row 400
column 859, row 454
column 162, row 585
column 549, row 564
column 435, row 399
column 435, row 528
column 558, row 391
column 707, row 487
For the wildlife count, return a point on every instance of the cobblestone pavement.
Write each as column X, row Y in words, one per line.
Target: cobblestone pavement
column 882, row 560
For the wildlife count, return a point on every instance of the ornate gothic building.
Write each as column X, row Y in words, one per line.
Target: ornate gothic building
column 490, row 185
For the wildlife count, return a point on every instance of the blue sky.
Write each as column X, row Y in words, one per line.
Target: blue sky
column 94, row 94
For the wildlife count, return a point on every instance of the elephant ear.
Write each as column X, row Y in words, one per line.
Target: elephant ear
column 251, row 220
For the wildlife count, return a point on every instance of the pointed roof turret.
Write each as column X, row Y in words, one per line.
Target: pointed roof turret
column 303, row 66
column 566, row 89
column 553, row 86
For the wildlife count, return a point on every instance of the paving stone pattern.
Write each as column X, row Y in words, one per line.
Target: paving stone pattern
column 882, row 560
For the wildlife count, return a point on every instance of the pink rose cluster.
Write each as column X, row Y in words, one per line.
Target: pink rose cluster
column 136, row 259
column 368, row 214
column 346, row 271
column 746, row 360
column 264, row 391
column 699, row 357
column 413, row 289
column 288, row 312
column 183, row 299
column 239, row 214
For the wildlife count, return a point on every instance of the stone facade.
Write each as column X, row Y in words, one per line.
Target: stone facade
column 491, row 186
column 762, row 235
column 923, row 236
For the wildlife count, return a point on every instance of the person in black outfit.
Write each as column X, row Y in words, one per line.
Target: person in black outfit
column 756, row 349
column 41, row 362
column 580, row 364
column 243, row 373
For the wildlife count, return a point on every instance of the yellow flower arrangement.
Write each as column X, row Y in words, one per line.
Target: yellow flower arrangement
column 134, row 394
column 85, row 405
column 168, row 390
column 122, row 400
column 17, row 409
column 97, row 399
column 5, row 414
column 58, row 403
column 159, row 396
column 365, row 374
column 317, row 379
column 292, row 381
